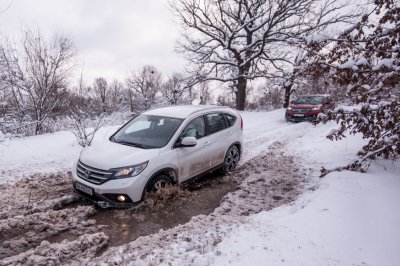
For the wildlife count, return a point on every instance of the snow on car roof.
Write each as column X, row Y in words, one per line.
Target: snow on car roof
column 181, row 111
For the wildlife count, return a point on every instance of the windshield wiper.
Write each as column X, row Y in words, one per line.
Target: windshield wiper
column 131, row 144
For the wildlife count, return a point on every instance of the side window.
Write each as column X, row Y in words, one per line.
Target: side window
column 216, row 122
column 230, row 119
column 195, row 128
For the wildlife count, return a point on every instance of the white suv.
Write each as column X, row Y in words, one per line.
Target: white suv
column 158, row 147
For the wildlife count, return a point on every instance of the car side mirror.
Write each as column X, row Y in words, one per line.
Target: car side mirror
column 189, row 142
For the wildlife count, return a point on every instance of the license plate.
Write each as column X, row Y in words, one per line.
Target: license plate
column 84, row 188
column 298, row 115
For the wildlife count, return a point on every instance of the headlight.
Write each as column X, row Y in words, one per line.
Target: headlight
column 289, row 108
column 316, row 108
column 129, row 171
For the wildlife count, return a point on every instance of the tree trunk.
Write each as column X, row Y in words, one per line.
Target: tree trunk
column 131, row 100
column 288, row 92
column 38, row 128
column 288, row 87
column 241, row 93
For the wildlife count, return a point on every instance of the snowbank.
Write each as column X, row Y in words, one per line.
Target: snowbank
column 352, row 219
column 41, row 154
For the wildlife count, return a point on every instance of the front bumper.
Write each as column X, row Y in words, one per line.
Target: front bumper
column 104, row 194
column 301, row 119
column 309, row 116
column 103, row 201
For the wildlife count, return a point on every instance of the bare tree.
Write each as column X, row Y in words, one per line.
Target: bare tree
column 131, row 98
column 145, row 85
column 238, row 40
column 174, row 89
column 37, row 77
column 116, row 94
column 203, row 91
column 101, row 89
column 83, row 127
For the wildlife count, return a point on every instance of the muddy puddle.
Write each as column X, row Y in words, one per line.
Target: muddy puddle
column 161, row 211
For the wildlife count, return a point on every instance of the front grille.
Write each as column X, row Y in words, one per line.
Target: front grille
column 92, row 175
column 301, row 111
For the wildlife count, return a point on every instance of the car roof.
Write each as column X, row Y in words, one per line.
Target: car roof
column 183, row 111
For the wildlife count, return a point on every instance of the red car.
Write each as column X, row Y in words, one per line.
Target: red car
column 307, row 107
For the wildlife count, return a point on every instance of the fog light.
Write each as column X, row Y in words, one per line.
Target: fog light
column 121, row 198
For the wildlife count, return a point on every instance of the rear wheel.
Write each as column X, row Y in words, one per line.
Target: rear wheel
column 231, row 160
column 159, row 181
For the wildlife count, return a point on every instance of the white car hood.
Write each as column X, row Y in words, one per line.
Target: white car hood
column 105, row 155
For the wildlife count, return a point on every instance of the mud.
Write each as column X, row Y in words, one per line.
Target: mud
column 162, row 210
column 36, row 208
column 41, row 216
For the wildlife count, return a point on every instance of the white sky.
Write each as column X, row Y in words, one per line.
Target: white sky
column 112, row 37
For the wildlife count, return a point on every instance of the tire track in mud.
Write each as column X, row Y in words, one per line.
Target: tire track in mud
column 267, row 181
column 49, row 224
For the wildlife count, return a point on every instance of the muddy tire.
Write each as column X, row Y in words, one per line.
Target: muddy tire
column 158, row 182
column 231, row 160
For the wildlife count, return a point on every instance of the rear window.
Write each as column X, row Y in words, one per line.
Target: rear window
column 230, row 119
column 216, row 122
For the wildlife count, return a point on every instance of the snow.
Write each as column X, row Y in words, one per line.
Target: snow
column 316, row 38
column 349, row 64
column 43, row 153
column 352, row 219
column 2, row 137
column 362, row 61
column 387, row 62
column 346, row 218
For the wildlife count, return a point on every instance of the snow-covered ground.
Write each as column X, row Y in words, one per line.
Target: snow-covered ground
column 345, row 218
column 41, row 154
column 351, row 219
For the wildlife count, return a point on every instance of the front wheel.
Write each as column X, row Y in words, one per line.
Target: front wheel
column 231, row 160
column 160, row 181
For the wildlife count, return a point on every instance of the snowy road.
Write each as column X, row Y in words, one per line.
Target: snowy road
column 278, row 212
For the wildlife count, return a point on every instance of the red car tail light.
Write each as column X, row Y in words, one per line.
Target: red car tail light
column 241, row 121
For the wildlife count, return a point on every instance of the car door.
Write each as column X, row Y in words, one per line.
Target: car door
column 193, row 160
column 218, row 137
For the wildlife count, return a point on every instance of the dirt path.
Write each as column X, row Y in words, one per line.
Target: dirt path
column 43, row 222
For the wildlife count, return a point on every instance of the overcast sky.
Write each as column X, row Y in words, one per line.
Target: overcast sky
column 112, row 37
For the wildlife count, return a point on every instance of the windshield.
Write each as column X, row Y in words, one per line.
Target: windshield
column 147, row 131
column 313, row 100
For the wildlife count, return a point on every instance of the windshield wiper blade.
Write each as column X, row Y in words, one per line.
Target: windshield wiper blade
column 131, row 144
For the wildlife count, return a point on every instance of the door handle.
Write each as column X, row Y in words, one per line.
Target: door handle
column 206, row 143
column 229, row 133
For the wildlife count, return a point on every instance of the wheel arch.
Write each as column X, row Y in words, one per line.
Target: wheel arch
column 168, row 171
column 238, row 144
